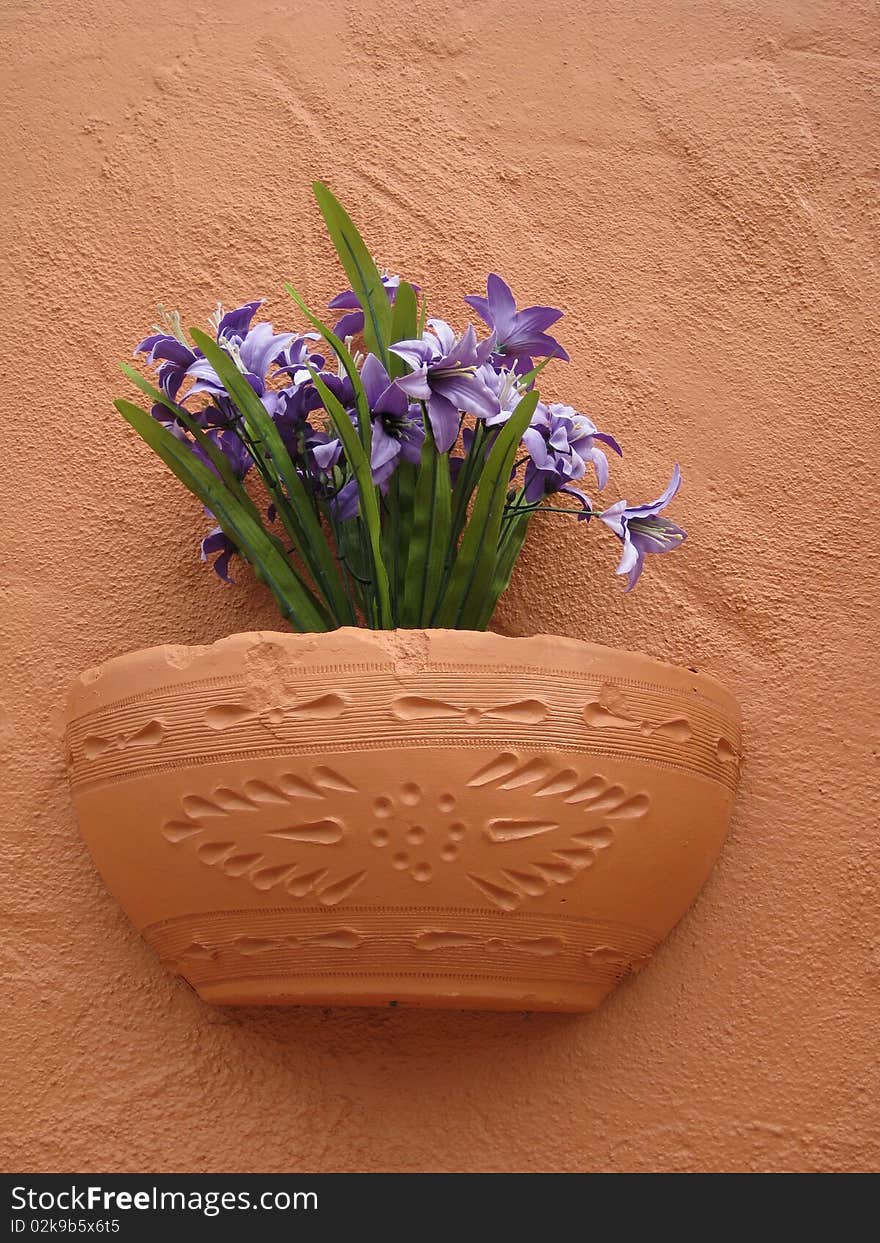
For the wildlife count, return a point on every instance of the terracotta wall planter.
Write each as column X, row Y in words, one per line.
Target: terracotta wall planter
column 435, row 818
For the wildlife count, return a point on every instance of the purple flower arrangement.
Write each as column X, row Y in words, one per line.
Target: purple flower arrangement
column 400, row 461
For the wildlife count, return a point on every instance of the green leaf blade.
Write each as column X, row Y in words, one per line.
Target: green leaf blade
column 216, row 456
column 250, row 538
column 510, row 547
column 369, row 505
column 429, row 536
column 291, row 497
column 463, row 602
column 348, row 365
column 360, row 269
column 404, row 324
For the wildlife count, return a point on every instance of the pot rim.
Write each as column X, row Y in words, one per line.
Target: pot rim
column 172, row 661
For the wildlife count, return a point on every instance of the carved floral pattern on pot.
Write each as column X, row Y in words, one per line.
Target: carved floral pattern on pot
column 418, row 829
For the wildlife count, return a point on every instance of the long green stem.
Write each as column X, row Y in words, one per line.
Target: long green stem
column 555, row 509
column 467, row 481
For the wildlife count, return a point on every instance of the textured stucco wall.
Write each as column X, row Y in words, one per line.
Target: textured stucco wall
column 697, row 184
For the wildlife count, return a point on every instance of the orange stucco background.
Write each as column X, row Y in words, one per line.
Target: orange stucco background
column 696, row 183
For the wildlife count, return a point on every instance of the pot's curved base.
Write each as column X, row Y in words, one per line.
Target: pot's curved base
column 393, row 990
column 450, row 958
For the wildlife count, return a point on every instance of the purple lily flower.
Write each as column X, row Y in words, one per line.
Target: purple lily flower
column 642, row 530
column 291, row 406
column 316, row 455
column 173, row 355
column 398, row 433
column 398, row 430
column 520, row 335
column 289, row 409
column 507, row 387
column 236, row 323
column 253, row 352
column 231, row 446
column 341, row 388
column 325, row 450
column 319, row 456
column 560, row 442
column 297, row 358
column 217, row 541
column 174, row 359
column 445, row 375
column 352, row 325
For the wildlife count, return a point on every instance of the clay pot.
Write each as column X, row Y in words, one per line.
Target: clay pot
column 435, row 818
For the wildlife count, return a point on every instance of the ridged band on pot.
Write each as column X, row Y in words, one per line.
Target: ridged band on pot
column 436, row 818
